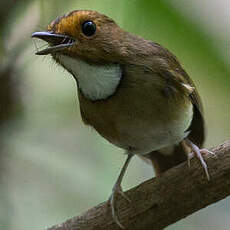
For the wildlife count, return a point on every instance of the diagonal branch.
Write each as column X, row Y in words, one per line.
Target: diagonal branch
column 162, row 201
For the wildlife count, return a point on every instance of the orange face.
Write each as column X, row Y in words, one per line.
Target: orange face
column 71, row 24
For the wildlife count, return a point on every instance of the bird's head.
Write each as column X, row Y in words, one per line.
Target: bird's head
column 83, row 34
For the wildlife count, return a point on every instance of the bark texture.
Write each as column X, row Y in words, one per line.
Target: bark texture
column 162, row 201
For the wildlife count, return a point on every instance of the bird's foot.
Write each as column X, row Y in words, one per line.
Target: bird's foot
column 197, row 152
column 117, row 190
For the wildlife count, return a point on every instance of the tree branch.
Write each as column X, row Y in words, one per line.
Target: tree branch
column 162, row 201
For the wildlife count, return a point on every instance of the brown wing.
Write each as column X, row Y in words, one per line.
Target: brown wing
column 176, row 78
column 163, row 162
column 179, row 76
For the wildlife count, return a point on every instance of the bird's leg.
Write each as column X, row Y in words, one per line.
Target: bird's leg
column 196, row 151
column 118, row 190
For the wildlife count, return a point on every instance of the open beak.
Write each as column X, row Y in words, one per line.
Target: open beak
column 57, row 42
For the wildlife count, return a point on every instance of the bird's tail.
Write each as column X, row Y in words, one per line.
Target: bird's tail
column 162, row 162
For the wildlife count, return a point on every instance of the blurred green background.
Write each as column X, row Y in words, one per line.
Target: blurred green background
column 52, row 167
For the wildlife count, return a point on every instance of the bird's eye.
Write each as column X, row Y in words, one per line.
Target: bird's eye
column 88, row 28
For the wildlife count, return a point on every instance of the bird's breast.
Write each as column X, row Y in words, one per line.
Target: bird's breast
column 138, row 117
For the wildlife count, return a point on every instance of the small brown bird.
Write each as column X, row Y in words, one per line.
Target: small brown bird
column 132, row 91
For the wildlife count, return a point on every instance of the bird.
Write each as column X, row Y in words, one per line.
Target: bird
column 132, row 91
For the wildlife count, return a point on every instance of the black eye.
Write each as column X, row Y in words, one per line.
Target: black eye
column 88, row 28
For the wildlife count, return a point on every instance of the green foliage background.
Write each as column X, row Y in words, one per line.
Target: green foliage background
column 52, row 166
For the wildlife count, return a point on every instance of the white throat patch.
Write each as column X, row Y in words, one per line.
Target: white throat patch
column 96, row 82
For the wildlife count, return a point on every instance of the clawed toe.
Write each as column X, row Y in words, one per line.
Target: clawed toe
column 117, row 190
column 208, row 152
column 198, row 153
column 124, row 195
